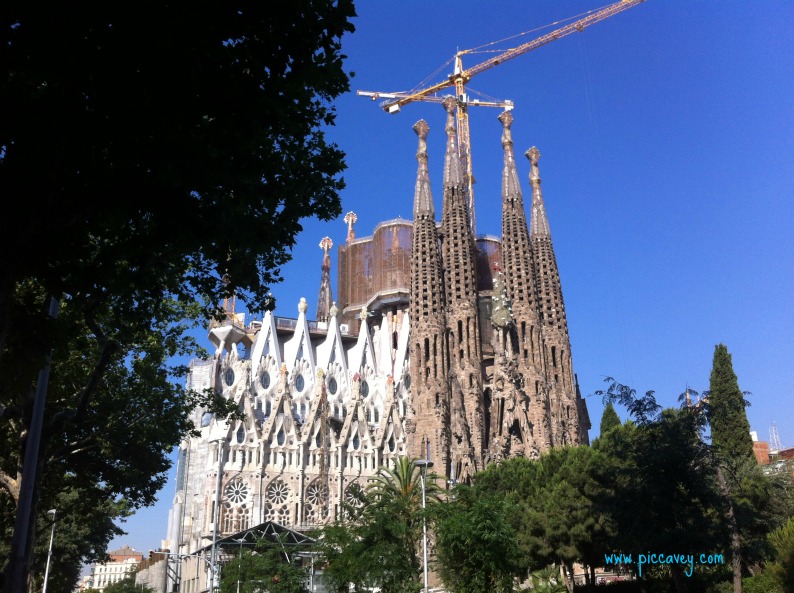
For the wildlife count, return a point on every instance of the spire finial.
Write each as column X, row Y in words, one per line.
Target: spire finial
column 511, row 188
column 507, row 120
column 539, row 225
column 324, row 299
column 423, row 197
column 350, row 219
column 453, row 170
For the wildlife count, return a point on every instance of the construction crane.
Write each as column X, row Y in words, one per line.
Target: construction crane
column 460, row 77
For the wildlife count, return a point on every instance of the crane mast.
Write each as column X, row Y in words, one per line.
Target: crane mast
column 460, row 77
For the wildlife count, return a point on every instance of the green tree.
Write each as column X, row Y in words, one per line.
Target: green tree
column 476, row 549
column 160, row 158
column 730, row 430
column 127, row 585
column 665, row 495
column 271, row 567
column 609, row 419
column 553, row 508
column 782, row 540
column 377, row 545
column 746, row 492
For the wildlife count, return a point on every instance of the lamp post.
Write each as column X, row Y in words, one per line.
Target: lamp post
column 423, row 464
column 239, row 561
column 216, row 514
column 49, row 553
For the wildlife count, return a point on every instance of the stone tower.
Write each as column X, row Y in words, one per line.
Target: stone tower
column 520, row 423
column 558, row 376
column 459, row 256
column 428, row 420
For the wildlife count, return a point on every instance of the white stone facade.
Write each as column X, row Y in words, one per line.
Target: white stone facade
column 279, row 463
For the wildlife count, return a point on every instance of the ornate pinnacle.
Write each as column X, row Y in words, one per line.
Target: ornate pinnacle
column 533, row 154
column 324, row 299
column 511, row 188
column 507, row 120
column 539, row 226
column 350, row 219
column 326, row 244
column 423, row 198
column 421, row 128
column 303, row 305
column 453, row 173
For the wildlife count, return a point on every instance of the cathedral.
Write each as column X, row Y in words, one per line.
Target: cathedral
column 440, row 345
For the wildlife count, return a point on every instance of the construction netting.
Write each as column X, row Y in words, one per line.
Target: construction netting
column 377, row 264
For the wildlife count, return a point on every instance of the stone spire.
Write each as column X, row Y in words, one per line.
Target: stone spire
column 428, row 416
column 465, row 359
column 423, row 196
column 554, row 326
column 324, row 301
column 524, row 427
column 540, row 223
column 350, row 219
column 517, row 259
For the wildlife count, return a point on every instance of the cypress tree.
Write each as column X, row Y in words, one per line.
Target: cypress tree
column 609, row 419
column 730, row 430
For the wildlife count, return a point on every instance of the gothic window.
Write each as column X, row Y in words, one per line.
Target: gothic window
column 356, row 441
column 354, row 495
column 281, row 436
column 235, row 507
column 407, row 381
column 364, row 389
column 265, row 380
column 240, row 434
column 300, row 383
column 276, row 509
column 332, row 386
column 228, row 377
column 316, row 504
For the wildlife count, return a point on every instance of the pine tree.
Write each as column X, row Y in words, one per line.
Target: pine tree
column 609, row 419
column 730, row 430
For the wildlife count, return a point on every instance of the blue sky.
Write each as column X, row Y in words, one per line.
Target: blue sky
column 666, row 135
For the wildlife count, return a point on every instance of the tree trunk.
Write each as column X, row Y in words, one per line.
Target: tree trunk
column 678, row 578
column 567, row 576
column 736, row 542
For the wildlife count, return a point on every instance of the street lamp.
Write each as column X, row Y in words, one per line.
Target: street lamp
column 216, row 513
column 49, row 553
column 239, row 561
column 423, row 464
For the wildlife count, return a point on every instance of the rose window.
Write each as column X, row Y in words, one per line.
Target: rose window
column 236, row 492
column 278, row 492
column 354, row 495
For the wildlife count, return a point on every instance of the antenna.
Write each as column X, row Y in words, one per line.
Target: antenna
column 774, row 439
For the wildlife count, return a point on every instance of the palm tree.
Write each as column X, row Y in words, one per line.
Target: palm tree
column 379, row 546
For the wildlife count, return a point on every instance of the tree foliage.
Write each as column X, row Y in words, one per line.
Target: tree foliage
column 271, row 567
column 160, row 158
column 730, row 429
column 378, row 543
column 127, row 585
column 553, row 507
column 609, row 419
column 476, row 549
